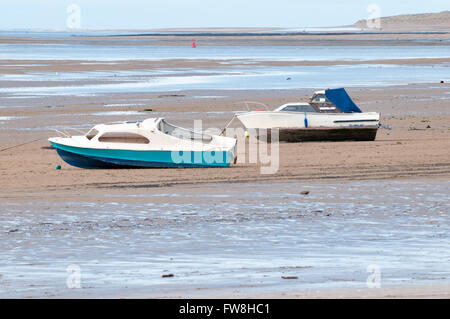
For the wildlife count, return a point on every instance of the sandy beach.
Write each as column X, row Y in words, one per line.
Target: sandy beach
column 417, row 146
column 43, row 209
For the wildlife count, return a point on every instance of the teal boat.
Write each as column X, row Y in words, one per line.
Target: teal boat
column 149, row 143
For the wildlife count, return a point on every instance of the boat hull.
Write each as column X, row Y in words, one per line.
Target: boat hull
column 113, row 158
column 303, row 127
column 321, row 134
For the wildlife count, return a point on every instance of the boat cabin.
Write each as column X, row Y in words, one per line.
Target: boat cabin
column 319, row 103
column 324, row 101
column 138, row 132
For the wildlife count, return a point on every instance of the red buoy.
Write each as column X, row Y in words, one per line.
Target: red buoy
column 193, row 43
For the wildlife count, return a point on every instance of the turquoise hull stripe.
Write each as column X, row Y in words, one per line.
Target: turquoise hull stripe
column 213, row 159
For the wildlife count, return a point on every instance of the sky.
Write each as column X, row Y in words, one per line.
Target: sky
column 154, row 14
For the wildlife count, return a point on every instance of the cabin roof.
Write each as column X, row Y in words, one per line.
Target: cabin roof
column 147, row 124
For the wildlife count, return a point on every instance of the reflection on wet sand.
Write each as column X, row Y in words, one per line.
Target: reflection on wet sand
column 247, row 235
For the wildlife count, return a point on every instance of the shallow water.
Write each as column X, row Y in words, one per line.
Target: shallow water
column 234, row 235
column 236, row 72
column 90, row 52
column 238, row 78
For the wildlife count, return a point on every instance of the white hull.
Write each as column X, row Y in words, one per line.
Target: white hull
column 293, row 120
column 330, row 115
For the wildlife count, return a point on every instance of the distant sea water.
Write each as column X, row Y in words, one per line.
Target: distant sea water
column 69, row 46
column 237, row 71
column 106, row 52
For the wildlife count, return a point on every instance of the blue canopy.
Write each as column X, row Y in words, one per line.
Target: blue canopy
column 342, row 100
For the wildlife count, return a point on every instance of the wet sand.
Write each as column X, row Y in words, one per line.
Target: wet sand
column 395, row 292
column 230, row 240
column 36, row 66
column 400, row 292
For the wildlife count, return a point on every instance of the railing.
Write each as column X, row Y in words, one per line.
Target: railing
column 246, row 103
column 64, row 132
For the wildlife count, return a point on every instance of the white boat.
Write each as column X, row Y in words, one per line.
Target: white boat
column 330, row 115
column 149, row 143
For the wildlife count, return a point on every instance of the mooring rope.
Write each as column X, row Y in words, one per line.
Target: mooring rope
column 14, row 146
column 384, row 126
column 228, row 124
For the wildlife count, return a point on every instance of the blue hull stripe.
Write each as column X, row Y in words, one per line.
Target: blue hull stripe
column 104, row 158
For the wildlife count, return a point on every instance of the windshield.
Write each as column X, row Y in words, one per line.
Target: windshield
column 298, row 108
column 179, row 132
column 320, row 98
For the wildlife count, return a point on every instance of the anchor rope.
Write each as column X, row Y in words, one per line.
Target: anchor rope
column 228, row 124
column 21, row 144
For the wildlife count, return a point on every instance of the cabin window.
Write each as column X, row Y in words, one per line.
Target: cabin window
column 299, row 108
column 123, row 137
column 91, row 134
